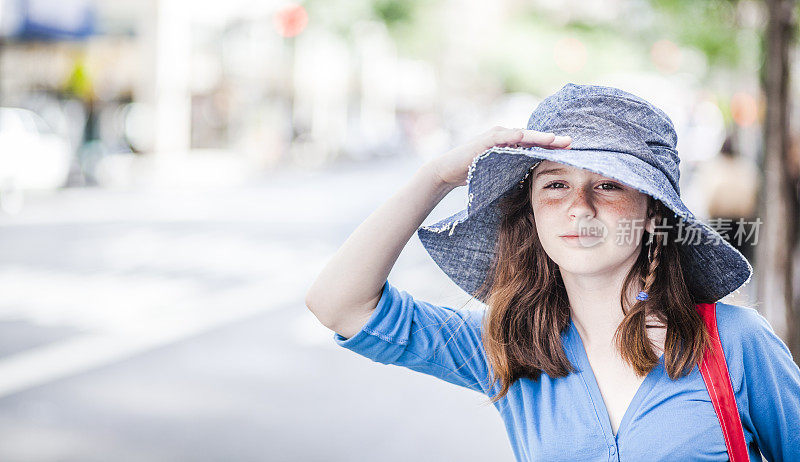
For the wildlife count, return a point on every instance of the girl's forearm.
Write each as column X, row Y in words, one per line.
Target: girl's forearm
column 349, row 286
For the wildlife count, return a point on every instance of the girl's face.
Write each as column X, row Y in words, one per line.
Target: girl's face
column 605, row 217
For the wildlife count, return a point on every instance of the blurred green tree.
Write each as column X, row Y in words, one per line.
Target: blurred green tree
column 711, row 26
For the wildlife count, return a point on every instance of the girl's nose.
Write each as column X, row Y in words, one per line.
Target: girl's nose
column 581, row 206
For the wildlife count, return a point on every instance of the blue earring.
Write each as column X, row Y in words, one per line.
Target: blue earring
column 642, row 296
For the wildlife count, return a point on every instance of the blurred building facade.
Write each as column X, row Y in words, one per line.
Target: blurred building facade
column 272, row 84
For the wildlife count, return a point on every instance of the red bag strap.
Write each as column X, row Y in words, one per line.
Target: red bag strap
column 715, row 374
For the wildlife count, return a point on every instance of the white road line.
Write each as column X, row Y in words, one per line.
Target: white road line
column 51, row 362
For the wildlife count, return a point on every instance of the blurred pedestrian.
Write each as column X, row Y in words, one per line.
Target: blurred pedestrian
column 730, row 184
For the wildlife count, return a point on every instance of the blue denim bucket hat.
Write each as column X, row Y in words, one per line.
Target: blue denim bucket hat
column 615, row 134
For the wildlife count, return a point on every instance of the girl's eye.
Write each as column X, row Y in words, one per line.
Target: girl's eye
column 550, row 186
column 612, row 186
column 604, row 186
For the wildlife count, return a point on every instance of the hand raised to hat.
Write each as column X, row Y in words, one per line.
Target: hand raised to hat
column 452, row 167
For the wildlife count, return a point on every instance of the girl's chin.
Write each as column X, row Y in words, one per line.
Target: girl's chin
column 588, row 263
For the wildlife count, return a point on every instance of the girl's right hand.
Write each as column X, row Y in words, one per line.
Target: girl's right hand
column 452, row 167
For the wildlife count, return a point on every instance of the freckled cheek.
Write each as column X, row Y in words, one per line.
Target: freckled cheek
column 543, row 203
column 623, row 213
column 544, row 210
column 622, row 207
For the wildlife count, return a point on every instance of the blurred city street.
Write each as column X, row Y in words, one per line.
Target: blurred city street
column 164, row 325
column 175, row 174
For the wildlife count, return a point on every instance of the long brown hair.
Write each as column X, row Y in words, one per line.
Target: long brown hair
column 529, row 310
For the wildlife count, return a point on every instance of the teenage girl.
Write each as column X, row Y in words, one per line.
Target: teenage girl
column 560, row 351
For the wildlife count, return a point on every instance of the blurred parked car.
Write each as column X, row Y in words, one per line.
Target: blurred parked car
column 32, row 156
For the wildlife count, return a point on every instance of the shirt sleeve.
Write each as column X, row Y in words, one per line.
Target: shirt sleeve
column 768, row 383
column 435, row 340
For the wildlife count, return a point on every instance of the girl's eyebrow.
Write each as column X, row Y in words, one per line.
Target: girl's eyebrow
column 552, row 171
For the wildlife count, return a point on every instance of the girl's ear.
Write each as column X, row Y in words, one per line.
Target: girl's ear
column 650, row 224
column 653, row 217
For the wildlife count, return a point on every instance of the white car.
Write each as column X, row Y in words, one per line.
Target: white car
column 32, row 156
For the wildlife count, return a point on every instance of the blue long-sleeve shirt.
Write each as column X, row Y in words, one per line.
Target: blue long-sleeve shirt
column 565, row 418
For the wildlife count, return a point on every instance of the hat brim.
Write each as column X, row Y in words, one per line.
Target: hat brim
column 463, row 245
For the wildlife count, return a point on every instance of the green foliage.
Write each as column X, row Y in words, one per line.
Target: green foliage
column 408, row 21
column 524, row 57
column 521, row 53
column 707, row 25
column 393, row 12
column 413, row 25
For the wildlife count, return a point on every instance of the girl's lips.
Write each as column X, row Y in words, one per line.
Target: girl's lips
column 586, row 242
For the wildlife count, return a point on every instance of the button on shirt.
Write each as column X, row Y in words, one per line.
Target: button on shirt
column 565, row 418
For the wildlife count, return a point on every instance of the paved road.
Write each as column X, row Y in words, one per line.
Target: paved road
column 168, row 325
